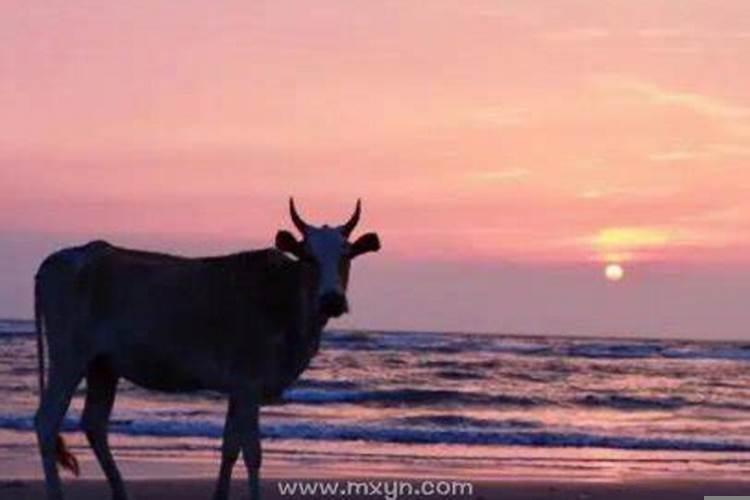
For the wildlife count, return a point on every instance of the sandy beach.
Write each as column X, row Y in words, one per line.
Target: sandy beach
column 201, row 489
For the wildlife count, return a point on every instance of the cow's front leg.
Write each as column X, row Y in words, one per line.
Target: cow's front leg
column 250, row 432
column 230, row 450
column 241, row 432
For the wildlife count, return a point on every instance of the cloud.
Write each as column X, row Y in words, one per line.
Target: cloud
column 577, row 34
column 684, row 50
column 631, row 193
column 630, row 237
column 502, row 116
column 500, row 175
column 623, row 243
column 710, row 151
column 661, row 33
column 670, row 156
column 729, row 149
column 620, row 244
column 699, row 103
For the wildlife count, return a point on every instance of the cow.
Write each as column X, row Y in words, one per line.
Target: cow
column 245, row 325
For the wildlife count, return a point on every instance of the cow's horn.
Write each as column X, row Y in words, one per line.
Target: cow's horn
column 347, row 228
column 298, row 222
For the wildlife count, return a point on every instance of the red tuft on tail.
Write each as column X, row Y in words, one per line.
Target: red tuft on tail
column 62, row 455
column 65, row 458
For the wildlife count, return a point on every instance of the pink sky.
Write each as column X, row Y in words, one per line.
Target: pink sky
column 505, row 150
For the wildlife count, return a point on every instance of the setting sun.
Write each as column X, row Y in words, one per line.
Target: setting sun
column 614, row 272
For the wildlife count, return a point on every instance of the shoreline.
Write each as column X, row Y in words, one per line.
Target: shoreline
column 189, row 489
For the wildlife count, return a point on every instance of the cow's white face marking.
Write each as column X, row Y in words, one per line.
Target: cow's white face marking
column 327, row 246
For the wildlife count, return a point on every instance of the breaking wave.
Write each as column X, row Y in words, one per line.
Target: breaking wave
column 471, row 435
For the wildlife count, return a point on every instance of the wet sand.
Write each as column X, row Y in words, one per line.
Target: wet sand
column 186, row 489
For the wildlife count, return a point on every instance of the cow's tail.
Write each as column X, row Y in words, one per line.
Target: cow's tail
column 63, row 456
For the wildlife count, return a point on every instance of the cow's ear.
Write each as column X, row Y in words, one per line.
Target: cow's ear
column 366, row 243
column 286, row 242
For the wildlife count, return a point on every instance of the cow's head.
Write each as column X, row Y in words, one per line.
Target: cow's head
column 328, row 249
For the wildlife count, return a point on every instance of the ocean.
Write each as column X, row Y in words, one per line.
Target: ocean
column 421, row 403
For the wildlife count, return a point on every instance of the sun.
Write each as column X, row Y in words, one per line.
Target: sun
column 614, row 272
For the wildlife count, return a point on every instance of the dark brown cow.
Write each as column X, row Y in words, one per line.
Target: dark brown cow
column 245, row 325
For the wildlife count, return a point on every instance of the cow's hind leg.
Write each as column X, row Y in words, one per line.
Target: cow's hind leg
column 48, row 420
column 101, row 385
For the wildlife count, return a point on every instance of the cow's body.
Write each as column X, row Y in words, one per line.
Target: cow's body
column 179, row 324
column 243, row 323
column 246, row 325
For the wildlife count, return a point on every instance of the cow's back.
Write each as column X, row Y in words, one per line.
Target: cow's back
column 178, row 324
column 174, row 323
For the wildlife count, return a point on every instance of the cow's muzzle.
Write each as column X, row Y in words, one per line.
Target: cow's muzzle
column 333, row 304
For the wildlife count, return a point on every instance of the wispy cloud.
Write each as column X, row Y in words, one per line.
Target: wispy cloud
column 633, row 193
column 630, row 237
column 500, row 175
column 700, row 103
column 502, row 116
column 672, row 156
column 678, row 50
column 661, row 32
column 729, row 149
column 577, row 34
column 623, row 243
column 709, row 151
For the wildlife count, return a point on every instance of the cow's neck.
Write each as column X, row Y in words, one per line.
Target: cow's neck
column 309, row 284
column 313, row 321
